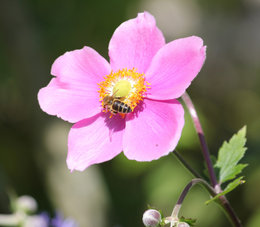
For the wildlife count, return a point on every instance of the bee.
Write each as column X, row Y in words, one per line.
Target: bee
column 116, row 104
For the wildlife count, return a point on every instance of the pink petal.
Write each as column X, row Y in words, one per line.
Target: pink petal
column 155, row 131
column 69, row 101
column 94, row 140
column 82, row 66
column 134, row 43
column 73, row 95
column 174, row 67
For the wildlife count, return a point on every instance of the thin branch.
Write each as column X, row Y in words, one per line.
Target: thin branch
column 205, row 151
column 181, row 159
column 185, row 191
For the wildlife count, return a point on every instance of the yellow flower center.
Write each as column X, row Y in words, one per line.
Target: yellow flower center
column 126, row 86
column 122, row 88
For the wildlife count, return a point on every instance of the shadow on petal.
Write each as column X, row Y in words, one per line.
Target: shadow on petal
column 115, row 123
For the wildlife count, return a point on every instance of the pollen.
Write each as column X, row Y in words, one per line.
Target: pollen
column 127, row 85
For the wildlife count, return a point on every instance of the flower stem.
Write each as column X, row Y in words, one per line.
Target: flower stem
column 185, row 191
column 181, row 159
column 205, row 151
column 9, row 219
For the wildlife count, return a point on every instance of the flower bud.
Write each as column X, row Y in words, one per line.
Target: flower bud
column 183, row 224
column 151, row 218
column 26, row 204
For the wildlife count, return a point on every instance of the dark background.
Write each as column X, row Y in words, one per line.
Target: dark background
column 33, row 33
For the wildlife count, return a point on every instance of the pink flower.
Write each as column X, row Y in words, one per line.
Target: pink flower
column 144, row 77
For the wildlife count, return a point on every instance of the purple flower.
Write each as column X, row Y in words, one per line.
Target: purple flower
column 60, row 221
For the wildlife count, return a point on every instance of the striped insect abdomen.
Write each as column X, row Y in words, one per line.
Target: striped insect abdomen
column 121, row 107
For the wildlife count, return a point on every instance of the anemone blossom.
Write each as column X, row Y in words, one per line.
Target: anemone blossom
column 128, row 104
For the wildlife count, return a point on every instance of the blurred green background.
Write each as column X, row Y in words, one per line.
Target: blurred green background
column 33, row 145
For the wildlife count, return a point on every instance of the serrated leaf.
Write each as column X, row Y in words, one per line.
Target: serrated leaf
column 230, row 154
column 230, row 187
column 236, row 170
column 190, row 221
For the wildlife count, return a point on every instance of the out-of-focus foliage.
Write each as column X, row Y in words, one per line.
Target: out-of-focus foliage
column 33, row 145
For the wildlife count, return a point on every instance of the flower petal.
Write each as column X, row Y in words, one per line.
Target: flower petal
column 94, row 140
column 82, row 66
column 155, row 131
column 73, row 94
column 174, row 67
column 68, row 101
column 134, row 43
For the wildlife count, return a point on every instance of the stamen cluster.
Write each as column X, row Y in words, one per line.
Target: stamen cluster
column 136, row 93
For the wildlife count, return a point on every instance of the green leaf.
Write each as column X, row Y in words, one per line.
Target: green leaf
column 230, row 154
column 190, row 221
column 230, row 187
